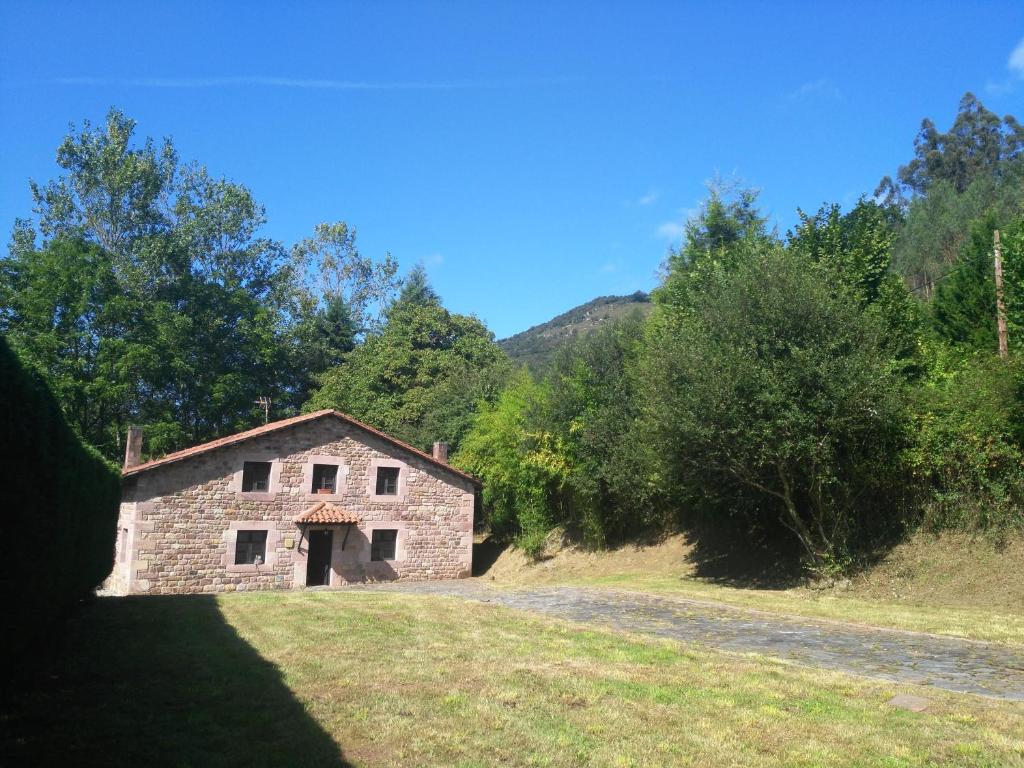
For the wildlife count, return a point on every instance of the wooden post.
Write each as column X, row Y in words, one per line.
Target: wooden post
column 1004, row 346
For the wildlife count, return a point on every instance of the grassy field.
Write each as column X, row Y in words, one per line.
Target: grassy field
column 951, row 585
column 338, row 678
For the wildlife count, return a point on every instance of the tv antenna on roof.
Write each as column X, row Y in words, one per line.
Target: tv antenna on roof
column 264, row 403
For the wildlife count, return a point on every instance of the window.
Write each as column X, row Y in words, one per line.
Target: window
column 256, row 477
column 387, row 481
column 122, row 551
column 325, row 478
column 249, row 545
column 382, row 544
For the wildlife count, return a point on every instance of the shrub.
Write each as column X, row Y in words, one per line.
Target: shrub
column 777, row 401
column 523, row 467
column 967, row 459
column 59, row 505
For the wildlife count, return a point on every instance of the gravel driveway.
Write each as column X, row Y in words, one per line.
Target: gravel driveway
column 965, row 666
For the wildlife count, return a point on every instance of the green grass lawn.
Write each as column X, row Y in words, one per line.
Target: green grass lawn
column 336, row 678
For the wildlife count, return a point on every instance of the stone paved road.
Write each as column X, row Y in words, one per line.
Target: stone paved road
column 907, row 657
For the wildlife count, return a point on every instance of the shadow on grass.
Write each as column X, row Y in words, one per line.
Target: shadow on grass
column 160, row 681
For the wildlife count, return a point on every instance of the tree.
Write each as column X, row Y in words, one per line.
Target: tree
column 964, row 309
column 856, row 249
column 416, row 288
column 937, row 225
column 775, row 399
column 111, row 193
column 595, row 411
column 322, row 338
column 63, row 312
column 728, row 226
column 728, row 215
column 967, row 454
column 60, row 500
column 178, row 319
column 419, row 377
column 523, row 468
column 977, row 145
column 328, row 266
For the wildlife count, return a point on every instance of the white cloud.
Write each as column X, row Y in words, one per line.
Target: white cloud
column 643, row 201
column 434, row 259
column 1015, row 65
column 609, row 267
column 822, row 87
column 274, row 82
column 671, row 230
column 1016, row 61
column 998, row 88
column 265, row 81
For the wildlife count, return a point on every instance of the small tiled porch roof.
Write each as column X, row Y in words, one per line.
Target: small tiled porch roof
column 323, row 513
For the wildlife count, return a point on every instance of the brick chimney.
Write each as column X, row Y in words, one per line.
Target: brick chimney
column 133, row 448
column 441, row 451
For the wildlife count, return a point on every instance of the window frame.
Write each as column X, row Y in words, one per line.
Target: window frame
column 250, row 533
column 273, row 483
column 230, row 539
column 340, row 478
column 387, row 477
column 401, row 484
column 319, row 472
column 246, row 465
column 375, row 546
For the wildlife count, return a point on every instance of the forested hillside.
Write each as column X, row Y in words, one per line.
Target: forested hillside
column 536, row 347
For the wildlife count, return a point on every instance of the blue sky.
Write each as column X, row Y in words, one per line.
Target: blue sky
column 533, row 155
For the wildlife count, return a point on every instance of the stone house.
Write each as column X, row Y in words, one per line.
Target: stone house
column 318, row 499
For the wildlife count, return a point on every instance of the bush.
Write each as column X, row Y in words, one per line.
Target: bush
column 59, row 503
column 778, row 403
column 523, row 467
column 967, row 459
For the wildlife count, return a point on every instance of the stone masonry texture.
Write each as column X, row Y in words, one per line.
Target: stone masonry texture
column 178, row 521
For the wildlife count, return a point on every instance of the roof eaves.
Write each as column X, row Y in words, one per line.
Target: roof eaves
column 239, row 437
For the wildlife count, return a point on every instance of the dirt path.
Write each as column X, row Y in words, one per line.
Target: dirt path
column 907, row 657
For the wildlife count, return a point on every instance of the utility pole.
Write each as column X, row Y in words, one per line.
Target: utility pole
column 1004, row 345
column 264, row 403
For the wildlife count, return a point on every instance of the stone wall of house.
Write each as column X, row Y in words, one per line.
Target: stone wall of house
column 179, row 521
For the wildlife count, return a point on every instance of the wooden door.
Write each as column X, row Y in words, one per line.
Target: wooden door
column 318, row 561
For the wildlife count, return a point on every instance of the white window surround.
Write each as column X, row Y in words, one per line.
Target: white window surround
column 340, row 483
column 371, row 481
column 231, row 539
column 400, row 542
column 273, row 486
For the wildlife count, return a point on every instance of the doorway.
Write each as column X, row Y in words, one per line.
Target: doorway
column 318, row 561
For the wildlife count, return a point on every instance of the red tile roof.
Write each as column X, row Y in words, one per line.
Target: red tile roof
column 284, row 424
column 323, row 513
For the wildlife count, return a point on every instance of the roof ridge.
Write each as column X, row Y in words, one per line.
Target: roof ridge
column 273, row 426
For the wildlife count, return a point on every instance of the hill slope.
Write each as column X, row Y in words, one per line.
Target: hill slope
column 537, row 346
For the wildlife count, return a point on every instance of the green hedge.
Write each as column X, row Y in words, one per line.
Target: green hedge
column 59, row 502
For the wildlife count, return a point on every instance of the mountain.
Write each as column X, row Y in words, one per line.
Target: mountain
column 536, row 346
